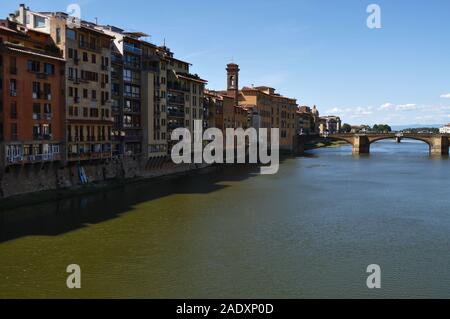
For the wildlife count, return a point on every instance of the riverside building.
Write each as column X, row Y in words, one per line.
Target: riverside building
column 31, row 96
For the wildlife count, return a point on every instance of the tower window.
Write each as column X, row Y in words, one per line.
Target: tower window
column 232, row 81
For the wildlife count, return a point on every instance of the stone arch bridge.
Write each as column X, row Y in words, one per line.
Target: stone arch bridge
column 438, row 143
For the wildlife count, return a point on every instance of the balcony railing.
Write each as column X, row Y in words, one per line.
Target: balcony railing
column 42, row 76
column 14, row 159
column 42, row 158
column 132, row 95
column 42, row 137
column 177, row 87
column 88, row 46
column 133, row 65
column 176, row 100
column 116, row 59
column 132, row 138
column 173, row 126
column 175, row 113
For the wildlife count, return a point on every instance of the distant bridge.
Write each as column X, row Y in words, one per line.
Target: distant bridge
column 438, row 143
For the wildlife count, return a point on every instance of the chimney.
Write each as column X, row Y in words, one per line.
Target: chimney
column 22, row 18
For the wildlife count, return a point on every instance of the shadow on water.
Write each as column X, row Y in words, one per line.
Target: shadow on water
column 57, row 217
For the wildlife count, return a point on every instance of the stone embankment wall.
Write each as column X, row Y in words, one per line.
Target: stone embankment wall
column 18, row 180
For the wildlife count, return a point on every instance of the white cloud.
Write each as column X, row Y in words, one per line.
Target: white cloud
column 386, row 106
column 445, row 96
column 406, row 107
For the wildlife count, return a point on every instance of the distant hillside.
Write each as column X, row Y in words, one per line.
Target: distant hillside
column 404, row 127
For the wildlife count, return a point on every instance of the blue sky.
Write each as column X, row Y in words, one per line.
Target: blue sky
column 318, row 51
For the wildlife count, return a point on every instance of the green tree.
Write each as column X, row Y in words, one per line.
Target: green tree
column 382, row 128
column 346, row 128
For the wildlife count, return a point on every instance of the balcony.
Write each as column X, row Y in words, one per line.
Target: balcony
column 42, row 158
column 132, row 95
column 173, row 126
column 116, row 59
column 176, row 113
column 133, row 80
column 132, row 49
column 42, row 137
column 177, row 87
column 74, row 80
column 36, row 116
column 176, row 100
column 133, row 138
column 107, row 118
column 47, row 116
column 135, row 110
column 132, row 65
column 88, row 46
column 42, row 76
column 12, row 93
column 14, row 159
column 132, row 126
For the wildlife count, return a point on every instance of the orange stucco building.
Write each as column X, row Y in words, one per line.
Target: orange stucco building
column 32, row 96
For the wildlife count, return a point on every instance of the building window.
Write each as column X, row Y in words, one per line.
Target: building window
column 58, row 35
column 14, row 132
column 94, row 59
column 36, row 111
column 13, row 87
column 70, row 34
column 49, row 69
column 47, row 108
column 39, row 22
column 14, row 110
column 105, row 61
column 34, row 66
column 36, row 90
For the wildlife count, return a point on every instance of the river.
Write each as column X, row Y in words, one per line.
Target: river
column 308, row 232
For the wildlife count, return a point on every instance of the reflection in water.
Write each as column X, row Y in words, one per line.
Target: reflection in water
column 309, row 231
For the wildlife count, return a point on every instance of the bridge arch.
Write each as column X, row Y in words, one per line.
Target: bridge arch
column 347, row 139
column 416, row 138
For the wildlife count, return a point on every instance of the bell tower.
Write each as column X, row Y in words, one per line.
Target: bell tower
column 233, row 81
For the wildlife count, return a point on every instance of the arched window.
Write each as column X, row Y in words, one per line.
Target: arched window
column 232, row 81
